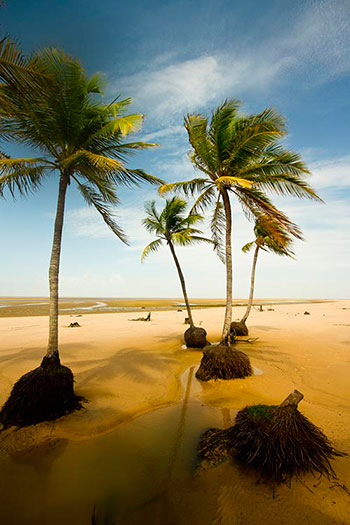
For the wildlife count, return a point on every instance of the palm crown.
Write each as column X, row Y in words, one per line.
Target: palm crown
column 67, row 122
column 171, row 225
column 241, row 154
column 271, row 236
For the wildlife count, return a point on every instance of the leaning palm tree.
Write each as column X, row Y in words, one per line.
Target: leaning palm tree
column 271, row 237
column 173, row 227
column 240, row 155
column 47, row 102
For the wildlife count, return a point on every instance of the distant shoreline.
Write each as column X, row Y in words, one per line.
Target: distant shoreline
column 39, row 306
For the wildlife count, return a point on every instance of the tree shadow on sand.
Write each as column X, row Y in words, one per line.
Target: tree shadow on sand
column 67, row 351
column 270, row 356
column 136, row 364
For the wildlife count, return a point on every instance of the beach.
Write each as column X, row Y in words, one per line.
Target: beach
column 127, row 370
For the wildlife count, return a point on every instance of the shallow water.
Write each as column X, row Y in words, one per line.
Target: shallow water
column 114, row 475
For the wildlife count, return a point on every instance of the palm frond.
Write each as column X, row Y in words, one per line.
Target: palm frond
column 97, row 162
column 134, row 177
column 152, row 247
column 21, row 175
column 203, row 153
column 188, row 187
column 199, row 239
column 19, row 71
column 285, row 184
column 217, row 227
column 119, row 125
column 247, row 247
column 222, row 128
column 92, row 198
column 228, row 180
column 204, row 200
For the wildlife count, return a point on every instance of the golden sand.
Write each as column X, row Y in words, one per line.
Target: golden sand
column 127, row 368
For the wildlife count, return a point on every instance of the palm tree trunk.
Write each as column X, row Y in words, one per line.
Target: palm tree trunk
column 52, row 348
column 252, row 283
column 182, row 280
column 228, row 257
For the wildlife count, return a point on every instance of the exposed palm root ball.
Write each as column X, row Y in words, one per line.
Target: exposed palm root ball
column 223, row 362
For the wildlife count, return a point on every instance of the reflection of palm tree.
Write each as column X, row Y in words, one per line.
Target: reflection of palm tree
column 41, row 458
column 226, row 417
column 180, row 429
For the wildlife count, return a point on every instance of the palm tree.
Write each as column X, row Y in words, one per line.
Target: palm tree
column 47, row 102
column 173, row 227
column 240, row 155
column 271, row 237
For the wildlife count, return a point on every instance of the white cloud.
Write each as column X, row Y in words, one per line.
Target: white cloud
column 312, row 49
column 321, row 39
column 86, row 222
column 331, row 173
column 164, row 132
column 193, row 84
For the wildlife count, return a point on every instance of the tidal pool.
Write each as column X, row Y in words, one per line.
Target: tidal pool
column 108, row 479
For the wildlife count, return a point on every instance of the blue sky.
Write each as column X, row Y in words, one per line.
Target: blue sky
column 178, row 56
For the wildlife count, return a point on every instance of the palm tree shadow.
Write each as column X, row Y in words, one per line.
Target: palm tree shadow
column 169, row 338
column 67, row 351
column 265, row 328
column 136, row 364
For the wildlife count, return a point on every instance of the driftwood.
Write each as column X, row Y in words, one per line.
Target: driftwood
column 74, row 325
column 145, row 319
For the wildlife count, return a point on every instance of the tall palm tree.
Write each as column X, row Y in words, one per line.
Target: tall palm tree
column 173, row 227
column 47, row 102
column 271, row 237
column 240, row 155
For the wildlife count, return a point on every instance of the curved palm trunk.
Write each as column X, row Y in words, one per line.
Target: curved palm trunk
column 182, row 280
column 252, row 283
column 228, row 257
column 52, row 347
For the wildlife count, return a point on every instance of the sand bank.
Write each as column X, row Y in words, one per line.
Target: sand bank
column 127, row 368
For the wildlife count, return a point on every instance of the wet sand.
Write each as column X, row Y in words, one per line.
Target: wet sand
column 39, row 306
column 127, row 368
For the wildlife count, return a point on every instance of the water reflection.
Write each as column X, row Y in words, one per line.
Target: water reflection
column 130, row 475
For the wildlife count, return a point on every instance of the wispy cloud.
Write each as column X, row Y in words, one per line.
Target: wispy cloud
column 192, row 84
column 86, row 222
column 313, row 49
column 162, row 133
column 331, row 173
column 321, row 39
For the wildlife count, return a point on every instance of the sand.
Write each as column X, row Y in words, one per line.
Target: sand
column 127, row 368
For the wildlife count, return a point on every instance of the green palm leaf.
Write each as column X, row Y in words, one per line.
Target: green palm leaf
column 152, row 247
column 92, row 198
